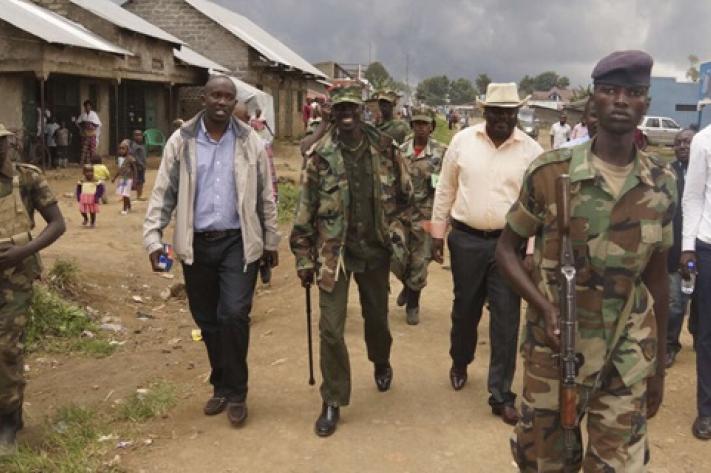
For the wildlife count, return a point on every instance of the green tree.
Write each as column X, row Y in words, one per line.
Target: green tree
column 462, row 91
column 582, row 92
column 545, row 80
column 378, row 76
column 482, row 81
column 527, row 85
column 563, row 82
column 693, row 72
column 434, row 90
column 401, row 86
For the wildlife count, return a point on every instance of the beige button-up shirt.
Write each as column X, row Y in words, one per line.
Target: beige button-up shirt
column 479, row 182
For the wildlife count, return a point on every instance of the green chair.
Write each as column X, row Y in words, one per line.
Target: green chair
column 154, row 137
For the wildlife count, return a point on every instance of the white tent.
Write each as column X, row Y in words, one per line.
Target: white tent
column 256, row 99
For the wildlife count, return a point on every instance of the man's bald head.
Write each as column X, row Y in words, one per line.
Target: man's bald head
column 219, row 99
column 216, row 81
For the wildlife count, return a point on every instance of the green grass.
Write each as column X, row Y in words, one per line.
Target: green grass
column 288, row 198
column 442, row 133
column 69, row 445
column 55, row 325
column 64, row 276
column 161, row 396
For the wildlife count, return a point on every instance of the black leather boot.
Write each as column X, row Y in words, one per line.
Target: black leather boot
column 327, row 421
column 383, row 376
column 413, row 307
column 402, row 297
column 9, row 425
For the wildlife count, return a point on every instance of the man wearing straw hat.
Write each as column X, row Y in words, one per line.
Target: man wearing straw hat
column 481, row 177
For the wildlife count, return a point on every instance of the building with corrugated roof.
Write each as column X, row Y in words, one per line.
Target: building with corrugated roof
column 248, row 51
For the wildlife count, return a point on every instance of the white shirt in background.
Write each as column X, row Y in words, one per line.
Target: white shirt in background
column 696, row 203
column 560, row 134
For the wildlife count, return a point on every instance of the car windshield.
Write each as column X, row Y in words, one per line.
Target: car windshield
column 525, row 115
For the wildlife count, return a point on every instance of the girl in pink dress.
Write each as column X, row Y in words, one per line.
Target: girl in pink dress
column 89, row 192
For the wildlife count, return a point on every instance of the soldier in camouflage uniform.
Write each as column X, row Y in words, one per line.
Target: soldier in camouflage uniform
column 621, row 205
column 23, row 190
column 353, row 187
column 423, row 156
column 397, row 129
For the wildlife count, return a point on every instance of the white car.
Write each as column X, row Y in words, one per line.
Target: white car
column 659, row 130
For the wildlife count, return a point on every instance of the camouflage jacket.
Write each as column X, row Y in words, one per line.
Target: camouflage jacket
column 421, row 168
column 17, row 218
column 399, row 130
column 613, row 240
column 321, row 223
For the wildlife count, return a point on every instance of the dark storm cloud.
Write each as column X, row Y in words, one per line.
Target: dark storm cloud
column 505, row 39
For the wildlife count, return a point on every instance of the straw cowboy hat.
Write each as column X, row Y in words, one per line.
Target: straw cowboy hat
column 502, row 95
column 4, row 131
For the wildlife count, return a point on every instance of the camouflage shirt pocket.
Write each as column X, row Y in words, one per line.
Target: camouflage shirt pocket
column 651, row 232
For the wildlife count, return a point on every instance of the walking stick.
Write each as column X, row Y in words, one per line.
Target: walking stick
column 308, row 333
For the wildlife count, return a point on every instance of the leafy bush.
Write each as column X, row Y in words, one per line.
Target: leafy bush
column 288, row 199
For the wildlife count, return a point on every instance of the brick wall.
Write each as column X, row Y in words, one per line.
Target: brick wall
column 197, row 30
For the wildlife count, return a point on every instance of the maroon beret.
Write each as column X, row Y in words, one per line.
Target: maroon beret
column 624, row 68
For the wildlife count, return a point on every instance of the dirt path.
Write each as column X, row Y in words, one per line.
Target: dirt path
column 421, row 425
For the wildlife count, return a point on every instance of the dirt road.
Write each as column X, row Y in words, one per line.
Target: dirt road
column 421, row 425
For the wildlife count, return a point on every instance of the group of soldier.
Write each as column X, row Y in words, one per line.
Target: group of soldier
column 380, row 198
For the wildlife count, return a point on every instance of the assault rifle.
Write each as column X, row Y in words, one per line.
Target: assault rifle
column 567, row 357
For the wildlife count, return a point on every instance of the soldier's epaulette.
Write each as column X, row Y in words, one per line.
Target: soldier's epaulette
column 29, row 167
column 550, row 157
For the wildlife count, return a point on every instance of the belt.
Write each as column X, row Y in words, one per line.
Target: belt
column 213, row 235
column 486, row 234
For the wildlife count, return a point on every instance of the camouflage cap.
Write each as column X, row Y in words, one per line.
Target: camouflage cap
column 5, row 132
column 422, row 114
column 346, row 93
column 388, row 95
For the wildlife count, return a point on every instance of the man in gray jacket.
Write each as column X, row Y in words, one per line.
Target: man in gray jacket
column 215, row 176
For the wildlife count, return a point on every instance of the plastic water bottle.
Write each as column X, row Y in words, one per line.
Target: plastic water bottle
column 687, row 285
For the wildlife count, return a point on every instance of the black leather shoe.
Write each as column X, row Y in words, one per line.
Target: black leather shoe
column 237, row 413
column 9, row 425
column 702, row 428
column 508, row 413
column 327, row 421
column 671, row 358
column 402, row 297
column 458, row 377
column 215, row 405
column 383, row 376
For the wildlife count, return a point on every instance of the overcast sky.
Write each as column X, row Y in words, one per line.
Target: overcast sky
column 503, row 38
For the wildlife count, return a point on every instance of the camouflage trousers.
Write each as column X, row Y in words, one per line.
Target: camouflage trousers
column 15, row 297
column 412, row 253
column 615, row 419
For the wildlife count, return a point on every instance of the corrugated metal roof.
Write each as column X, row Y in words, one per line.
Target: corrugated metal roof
column 123, row 18
column 191, row 57
column 270, row 47
column 53, row 28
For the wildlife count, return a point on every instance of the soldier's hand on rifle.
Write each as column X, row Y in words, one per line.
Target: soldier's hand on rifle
column 306, row 276
column 551, row 316
column 686, row 257
column 11, row 256
column 154, row 257
column 438, row 250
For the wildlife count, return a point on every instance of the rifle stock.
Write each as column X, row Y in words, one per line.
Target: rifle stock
column 567, row 357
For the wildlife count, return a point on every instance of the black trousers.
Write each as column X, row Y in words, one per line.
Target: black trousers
column 220, row 291
column 476, row 279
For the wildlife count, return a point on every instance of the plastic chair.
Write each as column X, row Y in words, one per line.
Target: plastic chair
column 154, row 137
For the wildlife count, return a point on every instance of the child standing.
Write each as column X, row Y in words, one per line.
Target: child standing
column 101, row 174
column 126, row 175
column 89, row 192
column 62, row 138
